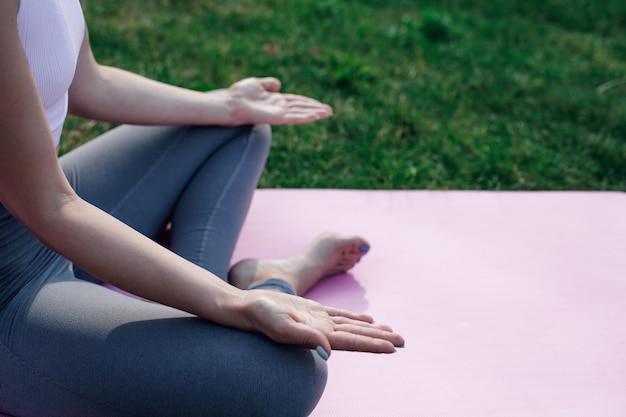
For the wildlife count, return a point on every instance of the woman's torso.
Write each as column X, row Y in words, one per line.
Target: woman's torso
column 52, row 33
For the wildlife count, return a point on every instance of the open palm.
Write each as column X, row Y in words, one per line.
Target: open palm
column 257, row 100
column 296, row 320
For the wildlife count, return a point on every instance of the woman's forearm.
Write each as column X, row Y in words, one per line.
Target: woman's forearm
column 109, row 94
column 118, row 96
column 123, row 257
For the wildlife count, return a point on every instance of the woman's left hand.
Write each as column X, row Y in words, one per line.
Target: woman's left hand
column 258, row 101
column 296, row 320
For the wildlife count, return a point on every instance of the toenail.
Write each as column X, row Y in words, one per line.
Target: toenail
column 364, row 248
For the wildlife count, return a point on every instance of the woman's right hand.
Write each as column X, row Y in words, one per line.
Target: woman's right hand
column 296, row 320
column 258, row 101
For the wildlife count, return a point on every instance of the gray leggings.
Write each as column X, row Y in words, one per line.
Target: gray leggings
column 71, row 347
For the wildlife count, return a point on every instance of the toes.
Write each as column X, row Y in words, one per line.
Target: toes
column 352, row 253
column 346, row 264
column 359, row 246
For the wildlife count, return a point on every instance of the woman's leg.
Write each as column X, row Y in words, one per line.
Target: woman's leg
column 201, row 179
column 79, row 349
column 72, row 348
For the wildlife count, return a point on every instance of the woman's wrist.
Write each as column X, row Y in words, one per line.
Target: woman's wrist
column 221, row 103
column 228, row 306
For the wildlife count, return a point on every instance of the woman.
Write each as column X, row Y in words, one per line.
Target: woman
column 70, row 347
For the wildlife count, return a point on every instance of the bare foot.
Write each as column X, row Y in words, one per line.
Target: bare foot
column 329, row 254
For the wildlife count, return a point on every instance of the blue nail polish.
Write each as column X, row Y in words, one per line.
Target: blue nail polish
column 320, row 351
column 364, row 248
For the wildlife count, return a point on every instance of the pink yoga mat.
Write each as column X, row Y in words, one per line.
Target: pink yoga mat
column 512, row 304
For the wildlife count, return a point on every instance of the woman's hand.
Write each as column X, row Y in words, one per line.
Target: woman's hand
column 296, row 320
column 257, row 100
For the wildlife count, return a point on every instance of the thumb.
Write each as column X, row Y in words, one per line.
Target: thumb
column 270, row 84
column 312, row 339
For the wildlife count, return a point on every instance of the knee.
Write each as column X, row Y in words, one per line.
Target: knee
column 261, row 136
column 290, row 381
column 302, row 384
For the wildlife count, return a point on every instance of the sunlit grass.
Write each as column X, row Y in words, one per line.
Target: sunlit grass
column 427, row 94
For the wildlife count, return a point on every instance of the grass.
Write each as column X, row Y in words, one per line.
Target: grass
column 447, row 94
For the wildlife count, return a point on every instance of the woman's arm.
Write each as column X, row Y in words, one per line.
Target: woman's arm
column 34, row 189
column 114, row 95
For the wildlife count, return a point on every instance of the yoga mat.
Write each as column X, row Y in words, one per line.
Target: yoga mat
column 512, row 304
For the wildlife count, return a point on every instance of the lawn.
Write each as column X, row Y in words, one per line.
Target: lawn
column 447, row 94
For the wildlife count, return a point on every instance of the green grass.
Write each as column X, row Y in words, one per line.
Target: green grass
column 447, row 94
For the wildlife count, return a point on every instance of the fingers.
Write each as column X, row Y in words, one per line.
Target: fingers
column 347, row 336
column 371, row 332
column 359, row 343
column 297, row 101
column 364, row 337
column 346, row 320
column 300, row 109
column 298, row 118
column 355, row 331
column 337, row 312
column 304, row 335
column 293, row 109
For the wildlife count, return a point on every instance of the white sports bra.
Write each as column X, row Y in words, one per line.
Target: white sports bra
column 52, row 33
